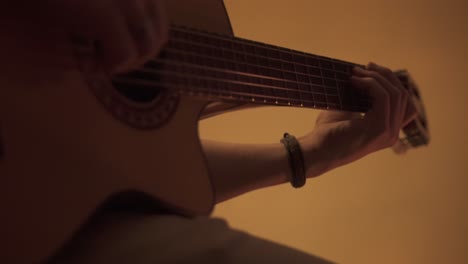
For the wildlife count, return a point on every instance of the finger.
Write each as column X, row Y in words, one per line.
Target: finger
column 113, row 43
column 395, row 97
column 157, row 13
column 391, row 77
column 381, row 79
column 410, row 114
column 380, row 111
column 386, row 72
column 140, row 28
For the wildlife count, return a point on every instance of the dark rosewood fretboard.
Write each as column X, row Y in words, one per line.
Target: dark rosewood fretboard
column 234, row 69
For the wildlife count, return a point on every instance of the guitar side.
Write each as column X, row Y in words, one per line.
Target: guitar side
column 64, row 154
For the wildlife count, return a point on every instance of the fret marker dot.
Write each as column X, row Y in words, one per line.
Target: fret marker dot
column 289, row 103
column 253, row 99
column 276, row 102
column 302, row 105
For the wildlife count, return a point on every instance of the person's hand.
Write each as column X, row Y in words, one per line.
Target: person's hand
column 342, row 137
column 126, row 33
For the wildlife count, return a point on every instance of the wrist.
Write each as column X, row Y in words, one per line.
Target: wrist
column 316, row 161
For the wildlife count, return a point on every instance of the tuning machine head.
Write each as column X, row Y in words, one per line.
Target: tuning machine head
column 416, row 132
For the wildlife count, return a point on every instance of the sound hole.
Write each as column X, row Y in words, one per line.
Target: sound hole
column 141, row 87
column 136, row 93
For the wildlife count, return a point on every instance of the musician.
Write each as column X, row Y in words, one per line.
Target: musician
column 129, row 33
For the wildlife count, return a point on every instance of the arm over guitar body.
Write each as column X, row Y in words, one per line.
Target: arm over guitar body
column 64, row 154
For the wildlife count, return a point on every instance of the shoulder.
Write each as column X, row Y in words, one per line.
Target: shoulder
column 147, row 239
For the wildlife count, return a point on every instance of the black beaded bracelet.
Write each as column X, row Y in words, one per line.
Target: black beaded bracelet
column 296, row 160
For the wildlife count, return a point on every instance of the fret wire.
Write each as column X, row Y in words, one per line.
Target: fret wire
column 340, row 70
column 265, row 46
column 186, row 45
column 284, row 77
column 309, row 86
column 323, row 83
column 247, row 64
column 237, row 67
column 149, row 70
column 225, row 64
column 181, row 75
column 301, row 99
column 153, row 83
column 262, row 82
column 256, row 55
column 234, row 81
column 228, row 71
column 183, row 68
column 243, row 51
column 339, row 89
column 277, row 95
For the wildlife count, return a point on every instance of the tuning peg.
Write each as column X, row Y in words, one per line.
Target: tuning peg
column 401, row 147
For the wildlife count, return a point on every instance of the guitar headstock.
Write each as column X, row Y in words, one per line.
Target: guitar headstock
column 416, row 133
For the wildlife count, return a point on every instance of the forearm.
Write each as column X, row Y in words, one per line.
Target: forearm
column 240, row 168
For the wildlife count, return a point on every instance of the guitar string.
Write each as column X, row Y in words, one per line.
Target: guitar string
column 190, row 88
column 264, row 46
column 326, row 66
column 256, row 94
column 257, row 57
column 203, row 56
column 189, row 69
column 260, row 80
column 276, row 100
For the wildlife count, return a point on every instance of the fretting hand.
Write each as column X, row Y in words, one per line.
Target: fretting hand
column 342, row 137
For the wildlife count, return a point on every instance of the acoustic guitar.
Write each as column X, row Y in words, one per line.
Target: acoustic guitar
column 71, row 136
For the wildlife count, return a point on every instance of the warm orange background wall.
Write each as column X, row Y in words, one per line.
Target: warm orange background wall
column 383, row 208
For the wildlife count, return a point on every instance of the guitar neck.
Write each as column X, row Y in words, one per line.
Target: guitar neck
column 237, row 70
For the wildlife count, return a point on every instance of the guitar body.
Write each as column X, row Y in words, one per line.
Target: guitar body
column 63, row 153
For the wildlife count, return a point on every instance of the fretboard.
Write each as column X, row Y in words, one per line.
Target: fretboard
column 233, row 69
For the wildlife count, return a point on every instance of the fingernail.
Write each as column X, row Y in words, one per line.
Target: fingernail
column 371, row 65
column 358, row 70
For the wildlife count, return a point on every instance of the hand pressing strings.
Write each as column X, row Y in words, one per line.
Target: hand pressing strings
column 343, row 137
